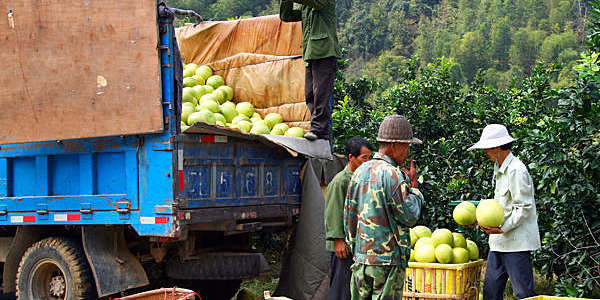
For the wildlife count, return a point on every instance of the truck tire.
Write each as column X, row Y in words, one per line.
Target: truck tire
column 55, row 268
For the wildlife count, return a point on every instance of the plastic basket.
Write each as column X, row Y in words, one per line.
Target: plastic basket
column 163, row 294
column 541, row 297
column 443, row 281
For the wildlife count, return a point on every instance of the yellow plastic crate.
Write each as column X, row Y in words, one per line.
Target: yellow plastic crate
column 541, row 297
column 443, row 281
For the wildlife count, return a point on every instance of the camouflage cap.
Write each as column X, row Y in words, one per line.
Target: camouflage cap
column 396, row 129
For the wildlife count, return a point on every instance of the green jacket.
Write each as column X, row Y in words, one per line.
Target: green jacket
column 334, row 207
column 377, row 217
column 319, row 38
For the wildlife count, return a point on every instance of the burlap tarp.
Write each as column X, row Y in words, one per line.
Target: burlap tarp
column 260, row 58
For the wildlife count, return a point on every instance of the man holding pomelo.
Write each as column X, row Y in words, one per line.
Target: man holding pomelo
column 511, row 243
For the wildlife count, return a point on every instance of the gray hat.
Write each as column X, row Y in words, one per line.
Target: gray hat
column 396, row 129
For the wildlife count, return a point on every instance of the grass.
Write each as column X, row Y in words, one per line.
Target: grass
column 272, row 245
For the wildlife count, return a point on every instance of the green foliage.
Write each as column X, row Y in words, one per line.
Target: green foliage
column 558, row 134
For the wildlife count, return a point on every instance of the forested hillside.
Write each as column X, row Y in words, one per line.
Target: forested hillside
column 503, row 38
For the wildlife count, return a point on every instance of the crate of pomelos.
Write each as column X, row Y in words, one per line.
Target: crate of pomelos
column 442, row 265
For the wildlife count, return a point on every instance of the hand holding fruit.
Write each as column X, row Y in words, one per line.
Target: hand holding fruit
column 492, row 230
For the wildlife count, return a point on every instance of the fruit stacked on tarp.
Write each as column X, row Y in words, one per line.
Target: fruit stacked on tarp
column 207, row 99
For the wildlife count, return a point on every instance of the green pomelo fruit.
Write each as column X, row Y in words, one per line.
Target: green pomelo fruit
column 209, row 89
column 422, row 231
column 208, row 97
column 273, row 119
column 205, row 116
column 464, row 213
column 259, row 123
column 489, row 213
column 425, row 254
column 188, row 72
column 277, row 131
column 215, row 81
column 221, row 118
column 220, row 123
column 460, row 255
column 260, row 128
column 199, row 79
column 245, row 108
column 228, row 111
column 473, row 250
column 188, row 96
column 228, row 90
column 412, row 255
column 184, row 128
column 443, row 254
column 284, row 127
column 240, row 118
column 413, row 237
column 255, row 115
column 442, row 236
column 189, row 82
column 423, row 241
column 220, row 95
column 209, row 105
column 200, row 91
column 244, row 126
column 204, row 71
column 295, row 131
column 186, row 111
column 459, row 240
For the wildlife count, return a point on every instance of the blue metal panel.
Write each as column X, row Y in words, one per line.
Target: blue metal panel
column 238, row 172
column 110, row 173
column 64, row 174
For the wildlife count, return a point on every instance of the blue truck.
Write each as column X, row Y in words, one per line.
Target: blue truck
column 97, row 215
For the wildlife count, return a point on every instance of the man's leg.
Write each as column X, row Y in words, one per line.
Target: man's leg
column 388, row 282
column 520, row 272
column 361, row 285
column 495, row 277
column 308, row 88
column 323, row 73
column 339, row 287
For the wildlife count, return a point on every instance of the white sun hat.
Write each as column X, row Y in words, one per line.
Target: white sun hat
column 493, row 135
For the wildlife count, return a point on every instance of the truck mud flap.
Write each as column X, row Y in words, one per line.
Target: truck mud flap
column 217, row 266
column 114, row 267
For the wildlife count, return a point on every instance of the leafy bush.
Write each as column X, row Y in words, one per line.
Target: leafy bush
column 558, row 133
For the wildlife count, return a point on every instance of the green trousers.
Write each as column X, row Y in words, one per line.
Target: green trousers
column 377, row 282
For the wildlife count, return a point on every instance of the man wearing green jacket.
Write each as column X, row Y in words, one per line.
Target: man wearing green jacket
column 358, row 151
column 320, row 50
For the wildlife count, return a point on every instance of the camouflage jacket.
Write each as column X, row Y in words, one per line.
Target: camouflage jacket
column 376, row 216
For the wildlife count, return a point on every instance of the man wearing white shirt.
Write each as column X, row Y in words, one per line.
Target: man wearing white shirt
column 511, row 243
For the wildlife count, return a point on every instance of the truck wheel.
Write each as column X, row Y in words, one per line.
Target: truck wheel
column 54, row 268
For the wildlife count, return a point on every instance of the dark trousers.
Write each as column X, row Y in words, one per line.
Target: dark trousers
column 501, row 266
column 339, row 278
column 318, row 89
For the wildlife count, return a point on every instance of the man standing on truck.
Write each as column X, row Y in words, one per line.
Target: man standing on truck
column 510, row 244
column 382, row 203
column 320, row 50
column 358, row 151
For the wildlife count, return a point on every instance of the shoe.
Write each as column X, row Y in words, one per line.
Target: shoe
column 311, row 136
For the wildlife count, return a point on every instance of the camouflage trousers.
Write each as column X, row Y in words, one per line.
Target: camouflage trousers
column 377, row 282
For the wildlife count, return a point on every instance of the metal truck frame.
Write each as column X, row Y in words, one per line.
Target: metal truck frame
column 93, row 217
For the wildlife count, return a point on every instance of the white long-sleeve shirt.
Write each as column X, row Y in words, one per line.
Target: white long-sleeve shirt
column 515, row 193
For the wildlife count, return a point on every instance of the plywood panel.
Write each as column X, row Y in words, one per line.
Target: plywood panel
column 78, row 68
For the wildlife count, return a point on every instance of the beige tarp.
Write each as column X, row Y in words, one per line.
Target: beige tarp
column 260, row 58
